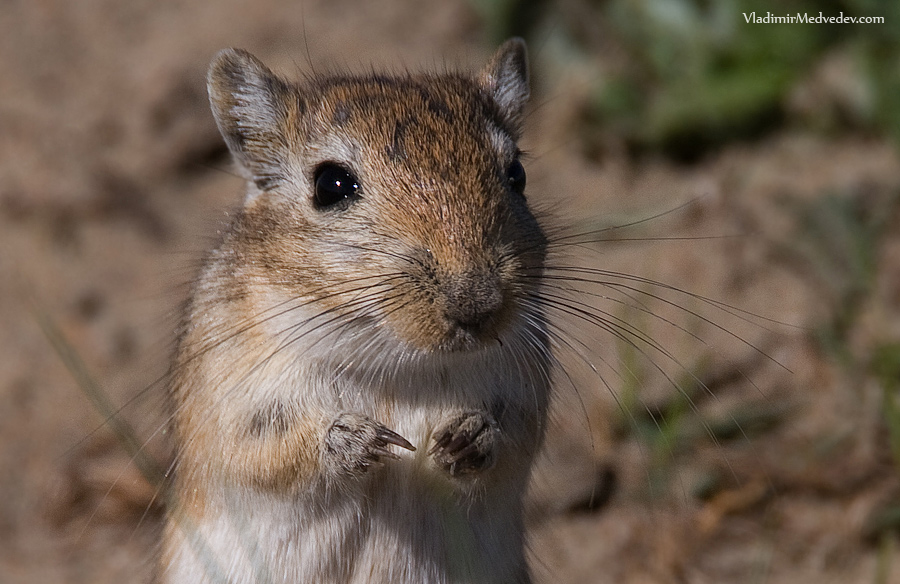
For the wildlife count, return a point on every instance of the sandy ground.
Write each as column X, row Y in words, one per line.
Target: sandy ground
column 113, row 181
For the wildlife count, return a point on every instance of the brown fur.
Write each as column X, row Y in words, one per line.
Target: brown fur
column 315, row 332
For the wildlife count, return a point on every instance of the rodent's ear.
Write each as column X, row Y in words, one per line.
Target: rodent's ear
column 250, row 105
column 505, row 78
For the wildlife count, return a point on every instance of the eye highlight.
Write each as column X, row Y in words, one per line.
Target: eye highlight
column 334, row 185
column 515, row 176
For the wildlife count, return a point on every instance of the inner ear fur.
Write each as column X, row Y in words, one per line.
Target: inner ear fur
column 505, row 79
column 251, row 107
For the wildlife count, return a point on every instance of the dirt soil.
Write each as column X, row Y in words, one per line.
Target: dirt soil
column 113, row 181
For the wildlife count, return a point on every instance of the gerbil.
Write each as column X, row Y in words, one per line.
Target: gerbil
column 362, row 377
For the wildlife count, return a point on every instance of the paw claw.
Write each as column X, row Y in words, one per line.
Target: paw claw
column 391, row 437
column 384, row 453
column 354, row 444
column 466, row 444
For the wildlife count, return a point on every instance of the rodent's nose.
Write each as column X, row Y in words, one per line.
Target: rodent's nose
column 472, row 299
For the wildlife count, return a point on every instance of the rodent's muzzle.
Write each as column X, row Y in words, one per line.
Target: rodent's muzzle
column 473, row 306
column 472, row 300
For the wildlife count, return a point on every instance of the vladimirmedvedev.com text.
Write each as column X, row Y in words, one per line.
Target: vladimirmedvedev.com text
column 803, row 18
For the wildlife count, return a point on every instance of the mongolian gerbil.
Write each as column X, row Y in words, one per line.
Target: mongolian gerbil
column 362, row 378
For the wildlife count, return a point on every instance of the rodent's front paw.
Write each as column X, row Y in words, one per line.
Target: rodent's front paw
column 354, row 443
column 466, row 444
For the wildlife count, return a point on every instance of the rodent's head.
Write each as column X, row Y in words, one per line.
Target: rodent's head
column 392, row 202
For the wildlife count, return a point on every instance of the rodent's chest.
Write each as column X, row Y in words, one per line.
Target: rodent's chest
column 415, row 406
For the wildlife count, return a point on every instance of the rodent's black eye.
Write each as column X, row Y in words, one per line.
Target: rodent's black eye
column 515, row 174
column 334, row 185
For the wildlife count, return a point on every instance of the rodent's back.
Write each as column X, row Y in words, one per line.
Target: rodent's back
column 378, row 287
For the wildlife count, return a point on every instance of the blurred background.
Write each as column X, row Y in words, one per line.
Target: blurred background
column 744, row 428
